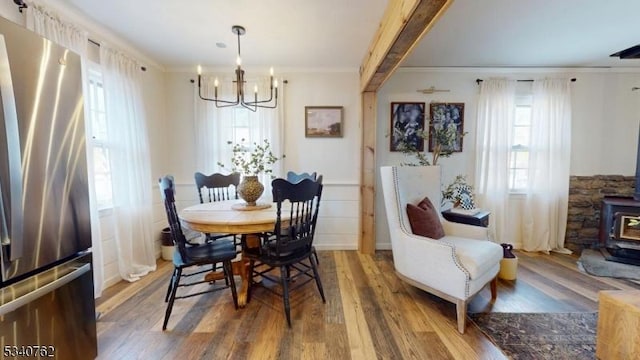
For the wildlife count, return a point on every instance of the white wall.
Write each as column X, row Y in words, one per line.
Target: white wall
column 9, row 10
column 337, row 159
column 606, row 114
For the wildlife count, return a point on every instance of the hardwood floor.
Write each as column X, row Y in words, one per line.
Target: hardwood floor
column 368, row 314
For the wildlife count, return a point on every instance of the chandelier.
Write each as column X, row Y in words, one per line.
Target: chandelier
column 240, row 82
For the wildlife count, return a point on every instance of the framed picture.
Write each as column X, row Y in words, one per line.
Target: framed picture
column 446, row 126
column 407, row 118
column 323, row 121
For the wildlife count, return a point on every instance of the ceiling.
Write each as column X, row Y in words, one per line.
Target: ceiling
column 337, row 33
column 539, row 33
column 280, row 33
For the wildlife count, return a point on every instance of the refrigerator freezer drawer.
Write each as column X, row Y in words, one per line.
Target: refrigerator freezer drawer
column 51, row 314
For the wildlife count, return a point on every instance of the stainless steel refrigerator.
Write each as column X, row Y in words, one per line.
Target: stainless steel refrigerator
column 47, row 306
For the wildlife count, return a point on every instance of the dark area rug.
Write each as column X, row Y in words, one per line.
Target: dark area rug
column 594, row 263
column 553, row 336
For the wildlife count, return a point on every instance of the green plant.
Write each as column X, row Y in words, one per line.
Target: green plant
column 409, row 149
column 443, row 137
column 252, row 160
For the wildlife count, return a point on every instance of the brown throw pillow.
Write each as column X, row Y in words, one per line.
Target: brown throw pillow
column 424, row 220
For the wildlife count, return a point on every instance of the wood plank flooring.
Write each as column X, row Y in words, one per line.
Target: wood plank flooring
column 368, row 314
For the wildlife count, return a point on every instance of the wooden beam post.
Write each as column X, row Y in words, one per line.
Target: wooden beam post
column 366, row 242
column 402, row 26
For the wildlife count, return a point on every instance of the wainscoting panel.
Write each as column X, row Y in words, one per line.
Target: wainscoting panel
column 109, row 253
column 338, row 208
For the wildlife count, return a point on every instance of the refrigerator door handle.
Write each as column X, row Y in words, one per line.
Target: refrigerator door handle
column 4, row 231
column 13, row 237
column 39, row 292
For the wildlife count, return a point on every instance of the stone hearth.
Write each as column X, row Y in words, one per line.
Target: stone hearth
column 585, row 196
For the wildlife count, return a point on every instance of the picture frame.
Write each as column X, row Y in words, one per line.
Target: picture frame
column 406, row 120
column 323, row 121
column 446, row 116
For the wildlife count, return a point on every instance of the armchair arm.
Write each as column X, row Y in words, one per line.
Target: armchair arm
column 465, row 231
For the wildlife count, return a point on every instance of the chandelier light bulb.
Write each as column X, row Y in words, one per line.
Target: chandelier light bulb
column 199, row 70
column 215, row 82
column 255, row 88
column 238, row 61
column 271, row 71
column 275, row 83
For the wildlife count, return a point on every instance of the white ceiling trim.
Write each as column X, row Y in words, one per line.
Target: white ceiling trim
column 264, row 70
column 521, row 70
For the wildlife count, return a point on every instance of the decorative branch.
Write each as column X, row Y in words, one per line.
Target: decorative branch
column 252, row 162
column 444, row 139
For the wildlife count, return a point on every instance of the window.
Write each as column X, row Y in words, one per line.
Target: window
column 97, row 127
column 240, row 127
column 521, row 136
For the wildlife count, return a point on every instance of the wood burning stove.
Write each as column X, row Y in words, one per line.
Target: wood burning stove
column 620, row 229
column 620, row 224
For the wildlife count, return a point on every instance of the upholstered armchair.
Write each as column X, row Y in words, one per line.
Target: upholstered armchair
column 454, row 267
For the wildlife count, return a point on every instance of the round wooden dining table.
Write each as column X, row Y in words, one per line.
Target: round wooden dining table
column 233, row 217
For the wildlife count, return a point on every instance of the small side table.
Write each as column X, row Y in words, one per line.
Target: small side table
column 479, row 219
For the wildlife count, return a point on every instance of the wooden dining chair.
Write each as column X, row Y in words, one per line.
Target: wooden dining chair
column 288, row 251
column 293, row 177
column 187, row 256
column 218, row 187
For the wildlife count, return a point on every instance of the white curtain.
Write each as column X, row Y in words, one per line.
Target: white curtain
column 42, row 21
column 46, row 23
column 130, row 163
column 214, row 127
column 547, row 193
column 496, row 111
column 269, row 125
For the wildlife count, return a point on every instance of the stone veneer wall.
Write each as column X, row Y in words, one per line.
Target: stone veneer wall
column 585, row 194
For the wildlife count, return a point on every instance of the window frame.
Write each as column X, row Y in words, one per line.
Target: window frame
column 94, row 76
column 523, row 100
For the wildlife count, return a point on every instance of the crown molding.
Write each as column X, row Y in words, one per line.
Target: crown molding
column 511, row 70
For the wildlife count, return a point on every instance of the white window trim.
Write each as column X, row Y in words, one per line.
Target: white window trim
column 523, row 99
column 94, row 73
